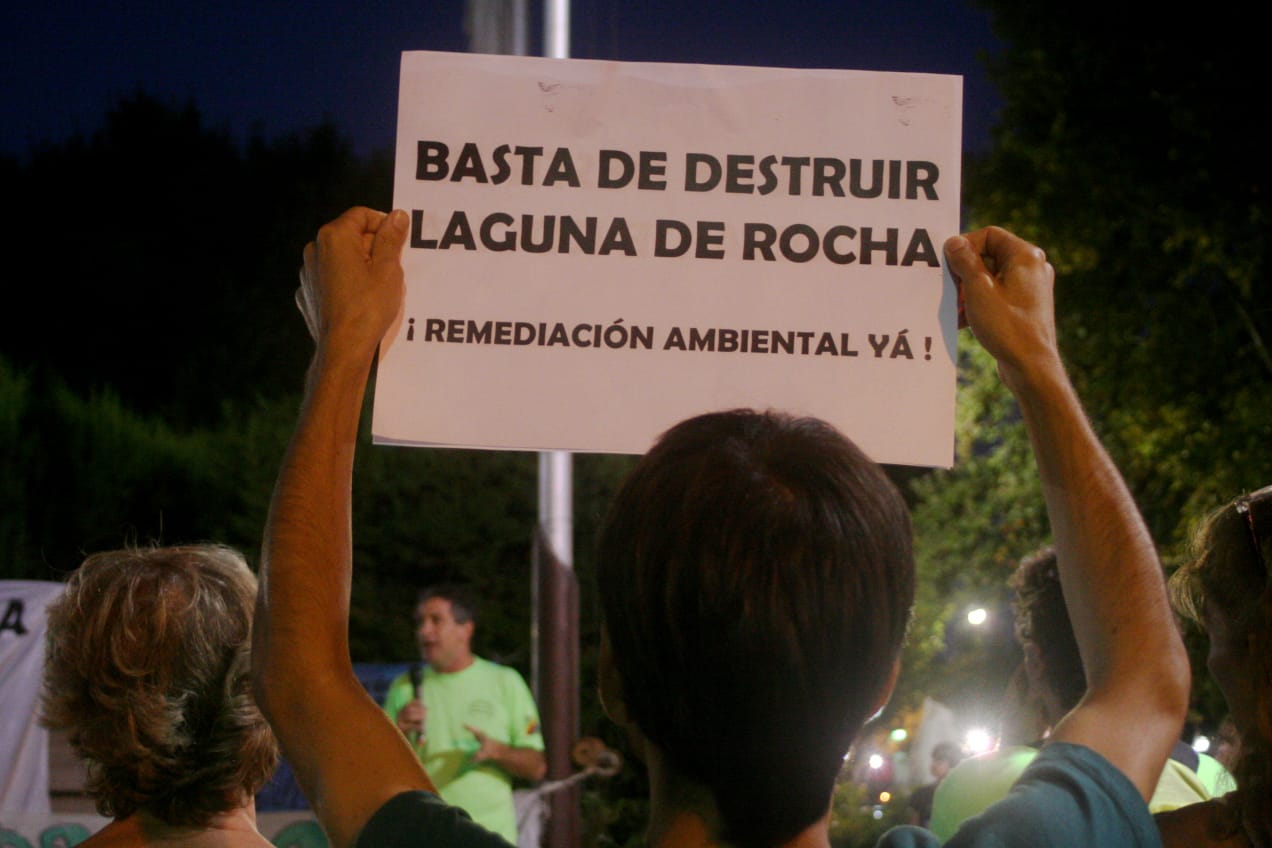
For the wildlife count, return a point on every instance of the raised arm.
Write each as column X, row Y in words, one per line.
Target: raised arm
column 347, row 755
column 1136, row 668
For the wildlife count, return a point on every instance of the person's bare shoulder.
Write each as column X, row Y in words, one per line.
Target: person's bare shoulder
column 139, row 831
column 1198, row 826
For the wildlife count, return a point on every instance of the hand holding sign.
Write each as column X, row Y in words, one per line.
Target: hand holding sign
column 1006, row 284
column 351, row 284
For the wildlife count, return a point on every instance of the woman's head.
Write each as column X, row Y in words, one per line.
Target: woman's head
column 1226, row 588
column 147, row 671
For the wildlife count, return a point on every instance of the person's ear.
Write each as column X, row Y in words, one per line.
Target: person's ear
column 610, row 685
column 1035, row 666
column 886, row 692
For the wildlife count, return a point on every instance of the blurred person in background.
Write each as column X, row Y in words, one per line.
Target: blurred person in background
column 1049, row 685
column 1227, row 589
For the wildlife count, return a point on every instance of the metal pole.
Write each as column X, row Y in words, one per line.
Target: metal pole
column 501, row 26
column 556, row 517
column 497, row 26
column 556, row 503
column 556, row 29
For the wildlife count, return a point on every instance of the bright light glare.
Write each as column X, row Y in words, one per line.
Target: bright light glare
column 877, row 814
column 875, row 761
column 898, row 735
column 978, row 740
column 885, row 797
column 1201, row 744
column 977, row 616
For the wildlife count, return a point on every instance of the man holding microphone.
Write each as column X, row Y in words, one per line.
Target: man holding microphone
column 473, row 723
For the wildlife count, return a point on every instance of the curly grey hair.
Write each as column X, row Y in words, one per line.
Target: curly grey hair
column 146, row 669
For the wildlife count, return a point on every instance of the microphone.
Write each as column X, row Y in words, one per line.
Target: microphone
column 417, row 689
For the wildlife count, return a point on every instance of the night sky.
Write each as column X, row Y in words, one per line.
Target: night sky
column 281, row 66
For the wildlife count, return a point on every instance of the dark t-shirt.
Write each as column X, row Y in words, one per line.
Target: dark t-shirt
column 414, row 819
column 921, row 802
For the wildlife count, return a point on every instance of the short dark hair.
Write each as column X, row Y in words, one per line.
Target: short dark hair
column 146, row 668
column 1042, row 619
column 947, row 752
column 463, row 600
column 756, row 576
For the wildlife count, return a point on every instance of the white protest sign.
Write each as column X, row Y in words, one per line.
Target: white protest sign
column 601, row 249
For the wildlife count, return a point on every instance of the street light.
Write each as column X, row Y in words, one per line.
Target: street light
column 978, row 740
column 976, row 617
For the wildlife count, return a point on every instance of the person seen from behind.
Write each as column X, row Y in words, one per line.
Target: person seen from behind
column 146, row 671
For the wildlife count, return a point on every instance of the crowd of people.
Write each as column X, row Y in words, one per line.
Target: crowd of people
column 756, row 579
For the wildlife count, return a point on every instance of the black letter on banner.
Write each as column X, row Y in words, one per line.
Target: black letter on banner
column 458, row 232
column 921, row 175
column 527, row 155
column 828, row 244
column 488, row 241
column 788, row 246
column 562, row 168
column 430, row 160
column 666, row 226
column 740, row 172
column 653, row 168
column 758, row 237
column 888, row 245
column 527, row 234
column 584, row 238
column 618, row 238
column 692, row 183
column 13, row 618
column 502, row 169
column 920, row 250
column 710, row 237
column 417, row 232
column 626, row 169
column 828, row 172
column 876, row 178
column 469, row 164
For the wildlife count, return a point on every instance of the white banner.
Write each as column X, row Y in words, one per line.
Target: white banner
column 601, row 249
column 24, row 745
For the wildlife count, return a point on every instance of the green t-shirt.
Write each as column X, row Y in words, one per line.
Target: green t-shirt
column 487, row 696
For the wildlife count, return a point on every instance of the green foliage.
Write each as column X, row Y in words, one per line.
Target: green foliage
column 972, row 524
column 616, row 811
column 1120, row 151
column 87, row 473
column 162, row 257
column 16, row 547
column 430, row 516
